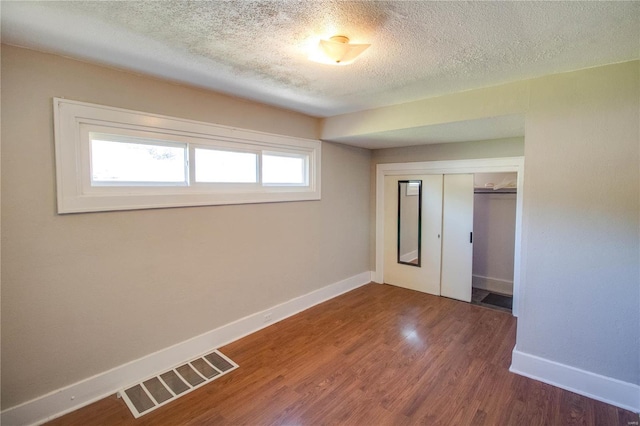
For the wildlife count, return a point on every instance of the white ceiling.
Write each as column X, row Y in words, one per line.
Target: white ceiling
column 258, row 49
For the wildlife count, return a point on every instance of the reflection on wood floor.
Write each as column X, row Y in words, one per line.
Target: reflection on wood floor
column 378, row 355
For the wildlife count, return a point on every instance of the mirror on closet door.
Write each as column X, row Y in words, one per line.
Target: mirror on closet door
column 409, row 221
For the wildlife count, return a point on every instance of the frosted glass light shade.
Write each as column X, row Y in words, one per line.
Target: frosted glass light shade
column 339, row 51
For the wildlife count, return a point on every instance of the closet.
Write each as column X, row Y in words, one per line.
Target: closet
column 441, row 217
column 445, row 234
column 423, row 264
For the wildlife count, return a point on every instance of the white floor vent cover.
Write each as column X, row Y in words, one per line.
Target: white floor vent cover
column 144, row 397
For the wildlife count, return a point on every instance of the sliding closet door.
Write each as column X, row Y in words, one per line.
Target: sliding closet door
column 457, row 228
column 412, row 235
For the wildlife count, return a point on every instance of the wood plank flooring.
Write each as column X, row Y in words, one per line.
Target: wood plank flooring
column 378, row 355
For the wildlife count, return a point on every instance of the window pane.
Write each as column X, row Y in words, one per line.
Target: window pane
column 283, row 169
column 225, row 166
column 113, row 162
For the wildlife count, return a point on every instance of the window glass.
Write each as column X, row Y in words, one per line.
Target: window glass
column 125, row 162
column 283, row 169
column 225, row 166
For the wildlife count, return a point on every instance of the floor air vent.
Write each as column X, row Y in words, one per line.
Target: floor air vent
column 144, row 397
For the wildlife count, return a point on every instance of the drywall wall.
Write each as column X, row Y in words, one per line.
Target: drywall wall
column 83, row 293
column 494, row 224
column 579, row 304
column 494, row 101
column 509, row 147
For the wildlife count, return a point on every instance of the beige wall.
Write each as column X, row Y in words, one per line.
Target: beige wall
column 510, row 147
column 581, row 221
column 83, row 293
column 494, row 224
column 494, row 101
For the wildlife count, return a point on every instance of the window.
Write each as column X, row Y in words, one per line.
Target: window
column 114, row 159
column 284, row 169
column 127, row 162
column 213, row 165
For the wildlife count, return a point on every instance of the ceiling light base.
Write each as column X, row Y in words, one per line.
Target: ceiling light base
column 338, row 51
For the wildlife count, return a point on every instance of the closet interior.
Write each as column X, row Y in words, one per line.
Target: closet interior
column 494, row 220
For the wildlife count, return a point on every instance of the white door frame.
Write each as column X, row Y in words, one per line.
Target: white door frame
column 485, row 165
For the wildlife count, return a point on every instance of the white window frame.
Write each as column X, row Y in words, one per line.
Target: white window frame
column 74, row 121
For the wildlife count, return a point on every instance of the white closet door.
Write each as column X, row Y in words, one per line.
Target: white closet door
column 426, row 277
column 457, row 228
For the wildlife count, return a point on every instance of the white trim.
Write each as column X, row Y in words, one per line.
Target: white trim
column 495, row 285
column 408, row 257
column 80, row 394
column 74, row 121
column 602, row 388
column 485, row 165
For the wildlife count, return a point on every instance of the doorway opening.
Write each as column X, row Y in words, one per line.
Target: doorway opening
column 494, row 221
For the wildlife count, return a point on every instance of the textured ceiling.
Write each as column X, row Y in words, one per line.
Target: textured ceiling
column 258, row 49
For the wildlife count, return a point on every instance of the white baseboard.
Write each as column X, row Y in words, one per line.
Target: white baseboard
column 495, row 285
column 408, row 257
column 606, row 389
column 87, row 391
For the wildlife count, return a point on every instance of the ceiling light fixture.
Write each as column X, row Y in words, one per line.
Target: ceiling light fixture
column 338, row 51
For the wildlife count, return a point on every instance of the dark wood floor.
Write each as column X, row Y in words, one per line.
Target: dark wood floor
column 379, row 355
